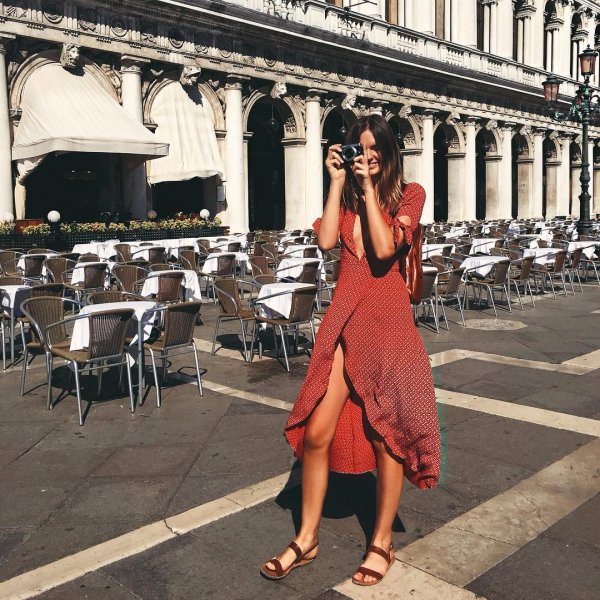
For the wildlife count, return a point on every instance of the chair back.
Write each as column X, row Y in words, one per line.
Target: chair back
column 234, row 246
column 104, row 296
column 428, row 283
column 56, row 267
column 88, row 257
column 225, row 265
column 94, row 275
column 258, row 247
column 180, row 321
column 303, row 304
column 41, row 251
column 160, row 267
column 269, row 249
column 127, row 277
column 438, row 262
column 526, row 266
column 187, row 259
column 8, row 261
column 33, row 265
column 107, row 332
column 310, row 272
column 501, row 272
column 123, row 252
column 48, row 289
column 11, row 280
column 559, row 261
column 576, row 258
column 309, row 253
column 542, row 244
column 68, row 255
column 170, row 286
column 259, row 265
column 157, row 254
column 332, row 270
column 454, row 282
column 203, row 245
column 228, row 296
column 43, row 311
column 265, row 279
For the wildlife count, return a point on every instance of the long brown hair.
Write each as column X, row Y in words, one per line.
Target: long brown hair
column 391, row 180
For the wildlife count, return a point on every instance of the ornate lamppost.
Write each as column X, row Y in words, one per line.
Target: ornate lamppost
column 582, row 110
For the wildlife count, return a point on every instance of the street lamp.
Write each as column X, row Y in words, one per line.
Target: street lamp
column 582, row 110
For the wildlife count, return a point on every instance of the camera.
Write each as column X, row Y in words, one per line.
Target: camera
column 349, row 152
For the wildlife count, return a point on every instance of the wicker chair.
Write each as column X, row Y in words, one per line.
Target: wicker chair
column 123, row 252
column 427, row 298
column 548, row 272
column 157, row 255
column 8, row 261
column 491, row 284
column 301, row 312
column 170, row 286
column 203, row 245
column 128, row 276
column 448, row 289
column 94, row 277
column 232, row 309
column 310, row 273
column 259, row 265
column 41, row 251
column 105, row 296
column 591, row 263
column 40, row 312
column 521, row 276
column 57, row 268
column 572, row 269
column 225, row 268
column 177, row 337
column 188, row 259
column 161, row 267
column 12, row 280
column 34, row 264
column 88, row 257
column 106, row 348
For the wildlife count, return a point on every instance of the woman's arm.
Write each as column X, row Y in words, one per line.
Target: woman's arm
column 329, row 230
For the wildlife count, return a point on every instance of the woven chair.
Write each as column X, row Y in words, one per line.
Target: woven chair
column 310, row 273
column 8, row 261
column 520, row 276
column 94, row 277
column 270, row 249
column 12, row 280
column 41, row 251
column 128, row 276
column 572, row 269
column 448, row 289
column 232, row 308
column 56, row 290
column 68, row 255
column 177, row 337
column 428, row 299
column 259, row 265
column 40, row 312
column 491, row 284
column 301, row 313
column 107, row 331
column 548, row 272
column 123, row 252
column 88, row 257
column 160, row 267
column 57, row 268
column 170, row 287
column 188, row 259
column 105, row 296
column 225, row 268
column 590, row 263
column 257, row 248
column 34, row 264
column 157, row 255
column 203, row 245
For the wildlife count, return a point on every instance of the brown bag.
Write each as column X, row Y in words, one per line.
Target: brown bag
column 411, row 266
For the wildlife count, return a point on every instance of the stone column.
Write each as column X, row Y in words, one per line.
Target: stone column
column 536, row 37
column 409, row 21
column 458, row 21
column 424, row 17
column 537, row 191
column 294, row 152
column 492, row 186
column 235, row 188
column 314, row 158
column 466, row 23
column 456, row 185
column 524, row 187
column 135, row 197
column 562, row 44
column 6, row 184
column 247, row 137
column 563, row 177
column 502, row 27
column 505, row 191
column 520, row 40
column 575, row 188
column 470, row 171
column 426, row 170
column 487, row 27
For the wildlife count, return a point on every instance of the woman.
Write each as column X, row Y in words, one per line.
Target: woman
column 368, row 399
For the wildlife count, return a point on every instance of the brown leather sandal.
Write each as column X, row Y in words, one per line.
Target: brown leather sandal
column 279, row 572
column 389, row 557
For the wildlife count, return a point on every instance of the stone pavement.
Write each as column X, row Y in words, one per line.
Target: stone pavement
column 185, row 501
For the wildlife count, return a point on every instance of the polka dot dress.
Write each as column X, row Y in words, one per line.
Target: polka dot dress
column 385, row 359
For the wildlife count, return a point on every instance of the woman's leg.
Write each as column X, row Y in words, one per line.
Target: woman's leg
column 390, row 476
column 318, row 436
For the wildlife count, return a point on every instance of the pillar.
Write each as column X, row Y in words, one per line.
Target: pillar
column 563, row 178
column 492, row 186
column 537, row 191
column 410, row 165
column 502, row 27
column 6, row 185
column 314, row 159
column 470, row 171
column 409, row 21
column 456, row 184
column 487, row 27
column 237, row 207
column 466, row 24
column 134, row 174
column 524, row 187
column 534, row 39
column 562, row 44
column 294, row 153
column 520, row 40
column 505, row 191
column 426, row 170
column 424, row 17
column 575, row 189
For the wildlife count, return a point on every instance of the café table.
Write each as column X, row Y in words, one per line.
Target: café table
column 101, row 249
column 280, row 305
column 141, row 324
column 11, row 297
column 242, row 259
column 78, row 273
column 297, row 250
column 292, row 267
column 190, row 283
column 481, row 265
column 542, row 256
column 588, row 247
column 483, row 245
column 433, row 249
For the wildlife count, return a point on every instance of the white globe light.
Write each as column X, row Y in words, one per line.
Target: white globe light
column 151, row 214
column 204, row 213
column 53, row 216
column 7, row 217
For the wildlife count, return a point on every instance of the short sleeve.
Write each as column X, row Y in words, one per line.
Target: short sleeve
column 411, row 206
column 317, row 225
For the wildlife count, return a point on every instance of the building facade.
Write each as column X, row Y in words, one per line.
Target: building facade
column 268, row 84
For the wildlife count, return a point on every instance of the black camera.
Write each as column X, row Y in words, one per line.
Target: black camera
column 349, row 152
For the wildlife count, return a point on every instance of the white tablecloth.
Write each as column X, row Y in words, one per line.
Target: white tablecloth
column 102, row 249
column 483, row 245
column 21, row 261
column 143, row 252
column 80, row 338
column 190, row 283
column 297, row 250
column 292, row 267
column 542, row 255
column 13, row 295
column 482, row 265
column 431, row 249
column 279, row 306
column 588, row 247
column 78, row 275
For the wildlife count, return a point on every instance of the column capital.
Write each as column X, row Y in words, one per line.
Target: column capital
column 509, row 126
column 6, row 38
column 235, row 82
column 133, row 64
column 429, row 113
column 539, row 131
column 377, row 106
column 314, row 94
column 472, row 121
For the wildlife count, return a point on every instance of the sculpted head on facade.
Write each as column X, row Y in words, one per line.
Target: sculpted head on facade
column 70, row 56
column 349, row 102
column 190, row 74
column 278, row 90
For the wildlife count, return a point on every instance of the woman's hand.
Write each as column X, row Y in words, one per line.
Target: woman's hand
column 360, row 168
column 335, row 164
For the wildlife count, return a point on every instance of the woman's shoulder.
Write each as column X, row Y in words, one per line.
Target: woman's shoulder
column 413, row 190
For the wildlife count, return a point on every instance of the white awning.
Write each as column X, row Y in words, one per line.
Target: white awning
column 65, row 111
column 184, row 118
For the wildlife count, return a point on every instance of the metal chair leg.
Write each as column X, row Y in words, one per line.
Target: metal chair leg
column 197, row 368
column 215, row 335
column 130, row 384
column 287, row 364
column 49, row 367
column 78, row 391
column 156, row 382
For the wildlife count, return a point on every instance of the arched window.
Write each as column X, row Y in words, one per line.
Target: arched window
column 550, row 34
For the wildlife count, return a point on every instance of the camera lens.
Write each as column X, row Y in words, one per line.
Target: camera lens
column 348, row 153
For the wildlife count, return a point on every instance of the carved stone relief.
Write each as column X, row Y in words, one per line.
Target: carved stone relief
column 87, row 19
column 202, row 42
column 53, row 12
column 148, row 32
column 119, row 26
column 17, row 9
column 176, row 38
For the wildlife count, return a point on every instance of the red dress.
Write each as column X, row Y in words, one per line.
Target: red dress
column 385, row 359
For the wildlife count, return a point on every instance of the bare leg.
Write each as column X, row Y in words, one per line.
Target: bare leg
column 390, row 476
column 318, row 436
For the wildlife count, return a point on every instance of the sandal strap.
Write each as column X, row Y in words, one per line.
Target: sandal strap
column 278, row 567
column 381, row 552
column 297, row 551
column 365, row 571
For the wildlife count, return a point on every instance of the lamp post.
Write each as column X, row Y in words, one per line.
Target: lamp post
column 582, row 110
column 54, row 219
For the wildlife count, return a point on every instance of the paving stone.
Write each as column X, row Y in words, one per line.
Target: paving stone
column 24, row 435
column 93, row 586
column 11, row 538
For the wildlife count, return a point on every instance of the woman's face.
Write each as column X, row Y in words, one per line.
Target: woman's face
column 372, row 153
